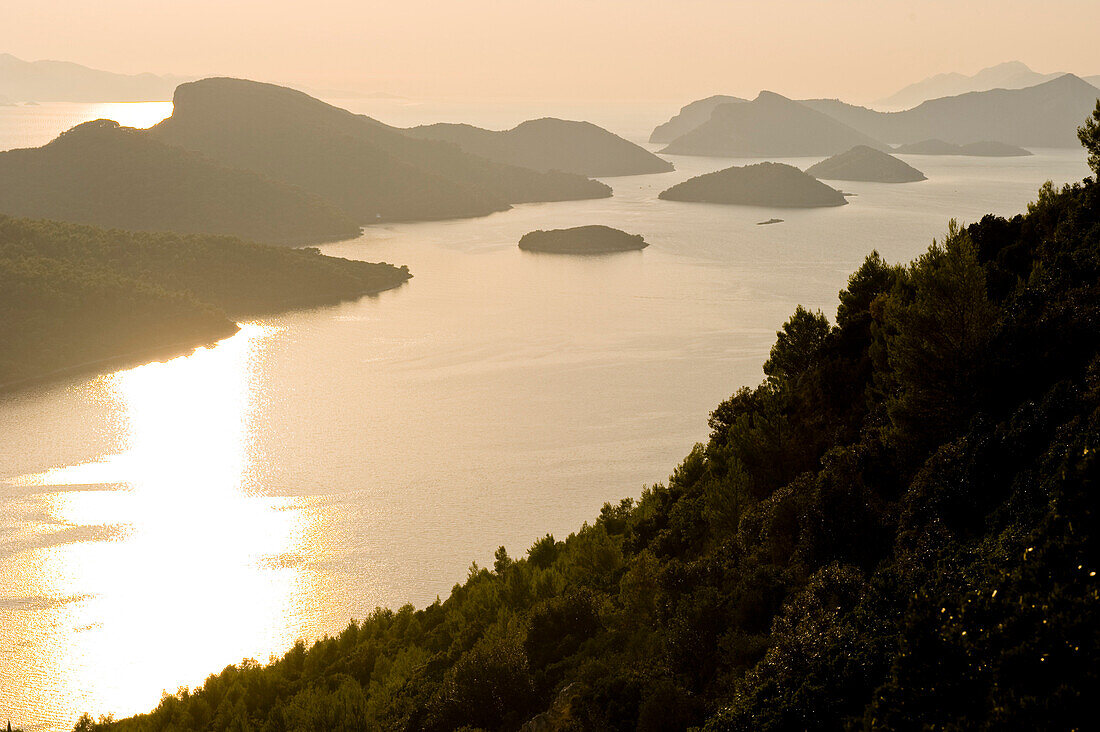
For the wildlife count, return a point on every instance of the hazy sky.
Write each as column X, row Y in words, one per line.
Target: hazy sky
column 581, row 49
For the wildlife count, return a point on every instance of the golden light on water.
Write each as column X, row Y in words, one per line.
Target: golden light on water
column 161, row 562
column 133, row 114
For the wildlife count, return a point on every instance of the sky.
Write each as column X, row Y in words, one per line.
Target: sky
column 859, row 50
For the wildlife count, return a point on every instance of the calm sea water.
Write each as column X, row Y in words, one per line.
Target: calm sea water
column 163, row 521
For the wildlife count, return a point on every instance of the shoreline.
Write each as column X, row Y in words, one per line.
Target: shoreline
column 169, row 351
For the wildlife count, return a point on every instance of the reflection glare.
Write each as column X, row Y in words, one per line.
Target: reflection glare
column 194, row 574
column 133, row 114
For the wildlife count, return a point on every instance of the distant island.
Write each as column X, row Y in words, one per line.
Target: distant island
column 548, row 144
column 62, row 81
column 102, row 174
column 986, row 149
column 582, row 240
column 764, row 184
column 371, row 171
column 769, row 126
column 80, row 298
column 769, row 221
column 863, row 163
column 1044, row 115
column 691, row 116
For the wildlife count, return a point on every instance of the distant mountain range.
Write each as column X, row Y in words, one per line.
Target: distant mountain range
column 549, row 144
column 1009, row 75
column 1044, row 115
column 62, row 81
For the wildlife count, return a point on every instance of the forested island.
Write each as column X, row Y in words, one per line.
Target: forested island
column 763, row 184
column 895, row 530
column 863, row 163
column 79, row 298
column 582, row 240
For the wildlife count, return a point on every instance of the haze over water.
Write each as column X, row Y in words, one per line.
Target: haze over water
column 161, row 522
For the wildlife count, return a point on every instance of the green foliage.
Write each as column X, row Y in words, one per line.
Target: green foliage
column 73, row 294
column 894, row 531
column 1089, row 134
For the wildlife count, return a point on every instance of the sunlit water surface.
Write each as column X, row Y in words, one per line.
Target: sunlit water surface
column 163, row 521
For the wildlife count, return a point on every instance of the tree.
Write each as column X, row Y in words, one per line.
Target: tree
column 797, row 344
column 1089, row 135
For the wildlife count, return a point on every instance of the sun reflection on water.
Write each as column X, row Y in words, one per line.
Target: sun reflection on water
column 133, row 114
column 148, row 569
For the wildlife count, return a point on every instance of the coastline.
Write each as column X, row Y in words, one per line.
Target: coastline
column 168, row 351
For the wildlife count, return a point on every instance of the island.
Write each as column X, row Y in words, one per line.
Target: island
column 769, row 126
column 80, row 298
column 769, row 221
column 371, row 171
column 982, row 149
column 690, row 116
column 863, row 163
column 580, row 148
column 582, row 240
column 763, row 184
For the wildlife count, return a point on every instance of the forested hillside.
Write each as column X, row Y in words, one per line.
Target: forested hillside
column 72, row 294
column 895, row 530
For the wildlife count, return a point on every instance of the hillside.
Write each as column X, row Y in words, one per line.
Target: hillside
column 102, row 174
column 548, row 144
column 895, row 530
column 370, row 170
column 985, row 149
column 582, row 240
column 764, row 184
column 865, row 164
column 72, row 295
column 769, row 126
column 62, row 81
column 1044, row 115
column 690, row 116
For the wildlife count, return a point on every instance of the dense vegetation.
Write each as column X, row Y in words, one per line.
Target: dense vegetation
column 764, row 184
column 594, row 239
column 73, row 294
column 893, row 531
column 102, row 174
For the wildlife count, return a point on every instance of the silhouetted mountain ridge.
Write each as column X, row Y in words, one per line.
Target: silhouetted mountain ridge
column 548, row 144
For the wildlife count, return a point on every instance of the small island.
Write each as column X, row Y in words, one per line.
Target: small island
column 982, row 149
column 763, row 184
column 769, row 221
column 582, row 240
column 863, row 163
